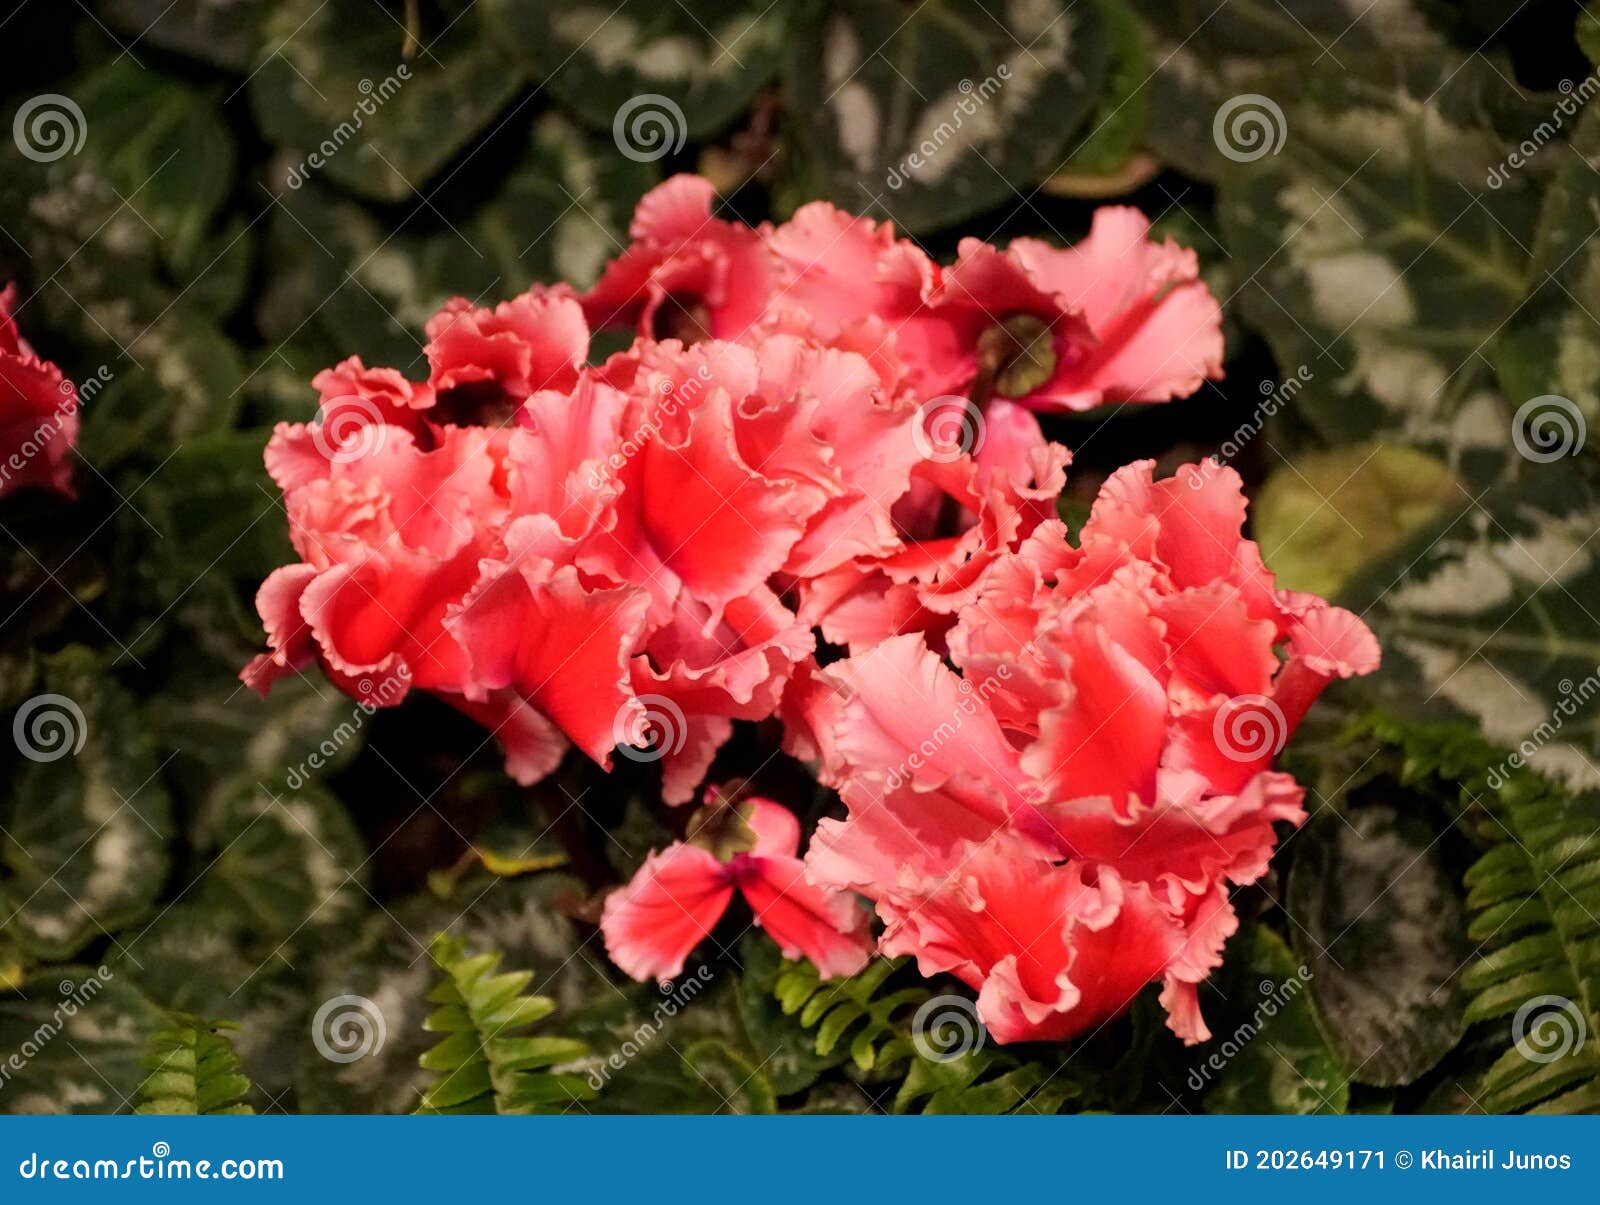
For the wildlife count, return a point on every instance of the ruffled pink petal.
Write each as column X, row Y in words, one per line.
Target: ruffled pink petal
column 670, row 906
column 486, row 362
column 828, row 927
column 288, row 635
column 562, row 646
column 1158, row 330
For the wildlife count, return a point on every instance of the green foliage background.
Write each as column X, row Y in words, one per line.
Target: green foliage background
column 189, row 863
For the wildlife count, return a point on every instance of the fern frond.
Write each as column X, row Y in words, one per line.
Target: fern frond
column 875, row 1017
column 853, row 1009
column 1534, row 901
column 486, row 1063
column 192, row 1069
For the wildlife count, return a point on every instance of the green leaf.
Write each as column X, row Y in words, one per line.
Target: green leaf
column 193, row 1071
column 386, row 961
column 740, row 1085
column 1588, row 31
column 87, row 816
column 1489, row 615
column 1274, row 1059
column 1206, row 53
column 280, row 863
column 223, row 33
column 933, row 114
column 81, row 1034
column 193, row 959
column 1552, row 345
column 1322, row 515
column 676, row 70
column 1374, row 261
column 794, row 1064
column 162, row 146
column 336, row 82
column 1121, row 115
column 218, row 731
column 1380, row 926
column 559, row 215
column 486, row 1064
column 1534, row 897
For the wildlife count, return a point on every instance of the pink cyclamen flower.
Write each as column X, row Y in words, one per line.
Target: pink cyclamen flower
column 1055, row 817
column 680, row 893
column 38, row 412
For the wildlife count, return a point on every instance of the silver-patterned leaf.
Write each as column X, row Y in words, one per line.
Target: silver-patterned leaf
column 929, row 115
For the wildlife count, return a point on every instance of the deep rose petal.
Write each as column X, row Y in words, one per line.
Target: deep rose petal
column 1158, row 330
column 828, row 927
column 562, row 646
column 669, row 907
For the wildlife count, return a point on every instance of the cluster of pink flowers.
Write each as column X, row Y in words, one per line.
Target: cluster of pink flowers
column 820, row 430
column 38, row 412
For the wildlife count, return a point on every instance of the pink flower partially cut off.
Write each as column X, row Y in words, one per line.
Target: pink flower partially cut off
column 38, row 412
column 671, row 905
